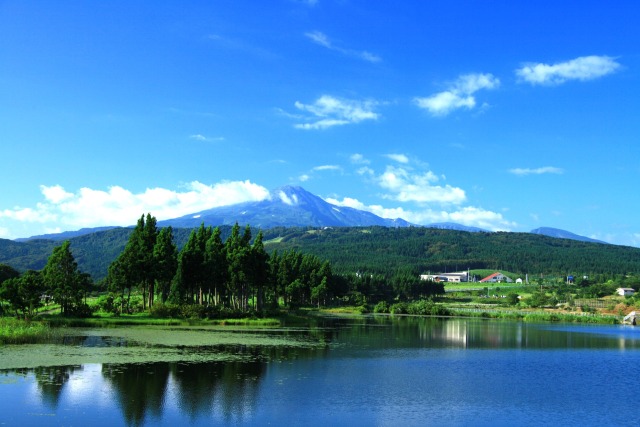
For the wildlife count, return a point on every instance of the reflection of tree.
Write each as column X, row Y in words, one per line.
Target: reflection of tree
column 140, row 388
column 230, row 386
column 51, row 381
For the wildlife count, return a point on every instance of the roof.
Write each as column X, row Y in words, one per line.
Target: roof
column 491, row 276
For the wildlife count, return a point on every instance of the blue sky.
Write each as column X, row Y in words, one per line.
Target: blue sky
column 502, row 115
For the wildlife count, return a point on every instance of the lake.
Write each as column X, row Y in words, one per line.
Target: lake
column 377, row 370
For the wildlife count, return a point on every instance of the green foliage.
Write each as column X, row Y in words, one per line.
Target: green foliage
column 16, row 331
column 381, row 307
column 64, row 282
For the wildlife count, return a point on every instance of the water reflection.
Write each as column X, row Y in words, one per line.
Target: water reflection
column 239, row 388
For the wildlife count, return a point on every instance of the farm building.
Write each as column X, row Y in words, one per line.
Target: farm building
column 447, row 277
column 496, row 277
column 624, row 292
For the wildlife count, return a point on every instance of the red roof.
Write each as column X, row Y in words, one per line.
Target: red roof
column 488, row 278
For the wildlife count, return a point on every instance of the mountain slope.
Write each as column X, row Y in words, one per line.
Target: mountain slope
column 563, row 234
column 288, row 206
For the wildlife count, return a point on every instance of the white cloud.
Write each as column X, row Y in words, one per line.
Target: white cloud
column 199, row 137
column 460, row 94
column 328, row 111
column 118, row 206
column 406, row 186
column 582, row 68
column 359, row 159
column 400, row 158
column 321, row 39
column 537, row 171
column 470, row 216
column 326, row 168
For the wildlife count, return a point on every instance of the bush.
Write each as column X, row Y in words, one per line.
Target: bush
column 192, row 311
column 398, row 308
column 81, row 310
column 381, row 307
column 106, row 303
column 165, row 310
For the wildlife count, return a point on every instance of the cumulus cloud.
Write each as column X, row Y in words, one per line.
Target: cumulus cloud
column 405, row 185
column 582, row 68
column 537, row 171
column 321, row 39
column 328, row 111
column 118, row 206
column 460, row 94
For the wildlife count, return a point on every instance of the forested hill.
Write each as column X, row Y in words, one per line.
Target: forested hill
column 372, row 249
column 380, row 250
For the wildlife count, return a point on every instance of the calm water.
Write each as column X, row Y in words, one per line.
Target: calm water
column 372, row 371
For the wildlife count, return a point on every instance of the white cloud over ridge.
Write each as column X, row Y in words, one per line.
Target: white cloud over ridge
column 537, row 171
column 328, row 111
column 404, row 185
column 118, row 206
column 582, row 68
column 470, row 216
column 460, row 94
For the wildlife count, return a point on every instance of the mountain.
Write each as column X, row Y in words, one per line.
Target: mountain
column 563, row 234
column 287, row 206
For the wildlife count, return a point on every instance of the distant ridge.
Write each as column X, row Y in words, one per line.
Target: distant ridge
column 65, row 235
column 563, row 234
column 455, row 226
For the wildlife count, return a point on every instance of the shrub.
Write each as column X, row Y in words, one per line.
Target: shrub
column 398, row 308
column 192, row 311
column 381, row 307
column 165, row 310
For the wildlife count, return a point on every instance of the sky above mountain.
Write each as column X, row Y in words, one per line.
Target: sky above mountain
column 501, row 115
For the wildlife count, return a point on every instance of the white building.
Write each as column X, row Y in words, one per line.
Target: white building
column 625, row 292
column 447, row 277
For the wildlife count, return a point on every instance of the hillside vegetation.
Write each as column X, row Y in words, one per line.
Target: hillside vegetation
column 376, row 250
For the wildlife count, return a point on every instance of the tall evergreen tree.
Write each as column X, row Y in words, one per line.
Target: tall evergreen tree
column 165, row 256
column 216, row 266
column 63, row 280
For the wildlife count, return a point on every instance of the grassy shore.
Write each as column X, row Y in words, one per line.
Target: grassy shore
column 48, row 327
column 18, row 331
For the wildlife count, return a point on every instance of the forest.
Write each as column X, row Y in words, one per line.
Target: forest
column 374, row 250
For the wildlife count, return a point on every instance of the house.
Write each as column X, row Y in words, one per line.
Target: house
column 496, row 277
column 447, row 277
column 625, row 292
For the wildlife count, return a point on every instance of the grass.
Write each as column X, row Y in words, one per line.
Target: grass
column 539, row 316
column 18, row 331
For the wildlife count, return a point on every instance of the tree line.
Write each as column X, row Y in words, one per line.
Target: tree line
column 240, row 275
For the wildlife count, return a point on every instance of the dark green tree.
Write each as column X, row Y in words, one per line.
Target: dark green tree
column 216, row 267
column 62, row 279
column 165, row 256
